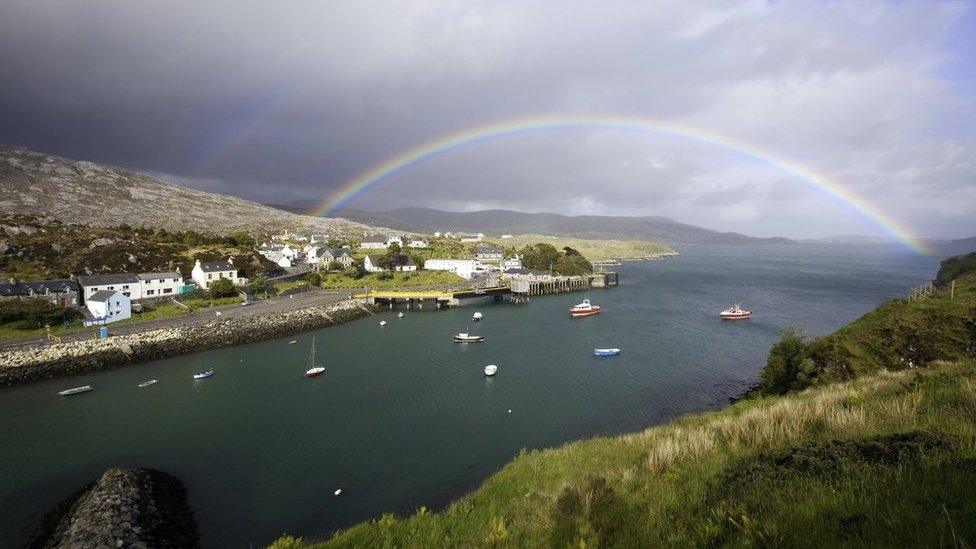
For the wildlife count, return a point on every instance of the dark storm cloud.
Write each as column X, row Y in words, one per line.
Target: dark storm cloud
column 281, row 102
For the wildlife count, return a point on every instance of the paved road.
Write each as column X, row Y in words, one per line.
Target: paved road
column 299, row 300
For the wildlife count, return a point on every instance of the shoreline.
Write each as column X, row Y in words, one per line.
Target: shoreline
column 21, row 366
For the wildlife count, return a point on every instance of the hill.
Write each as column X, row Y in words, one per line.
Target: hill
column 883, row 459
column 496, row 222
column 87, row 193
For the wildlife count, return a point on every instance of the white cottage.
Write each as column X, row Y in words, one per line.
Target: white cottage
column 374, row 242
column 204, row 273
column 419, row 243
column 165, row 284
column 127, row 284
column 105, row 306
column 465, row 268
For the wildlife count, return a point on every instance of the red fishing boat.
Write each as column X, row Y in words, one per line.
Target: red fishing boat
column 735, row 313
column 584, row 309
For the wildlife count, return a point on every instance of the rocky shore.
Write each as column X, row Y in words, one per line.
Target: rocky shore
column 79, row 357
column 132, row 508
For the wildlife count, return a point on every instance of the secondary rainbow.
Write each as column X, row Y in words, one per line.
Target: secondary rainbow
column 519, row 126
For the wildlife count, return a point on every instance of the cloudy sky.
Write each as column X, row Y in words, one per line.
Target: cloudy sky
column 283, row 102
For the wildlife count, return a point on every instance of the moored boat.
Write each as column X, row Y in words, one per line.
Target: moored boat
column 400, row 314
column 477, row 316
column 491, row 370
column 76, row 390
column 149, row 382
column 204, row 375
column 313, row 370
column 606, row 352
column 465, row 337
column 584, row 309
column 735, row 312
column 382, row 323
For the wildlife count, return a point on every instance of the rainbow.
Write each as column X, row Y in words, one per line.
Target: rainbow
column 520, row 126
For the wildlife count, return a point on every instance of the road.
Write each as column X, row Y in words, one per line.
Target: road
column 264, row 307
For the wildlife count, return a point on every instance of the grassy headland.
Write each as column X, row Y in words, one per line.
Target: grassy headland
column 886, row 458
column 592, row 249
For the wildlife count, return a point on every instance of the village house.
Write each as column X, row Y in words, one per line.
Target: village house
column 491, row 253
column 398, row 262
column 127, row 284
column 105, row 306
column 418, row 243
column 511, row 263
column 470, row 237
column 312, row 253
column 204, row 273
column 374, row 242
column 339, row 255
column 394, row 239
column 165, row 284
column 464, row 268
column 61, row 292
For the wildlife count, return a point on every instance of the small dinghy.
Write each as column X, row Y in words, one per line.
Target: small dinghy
column 465, row 337
column 204, row 375
column 400, row 315
column 76, row 390
column 477, row 316
column 148, row 383
column 382, row 323
column 490, row 370
column 606, row 352
column 292, row 342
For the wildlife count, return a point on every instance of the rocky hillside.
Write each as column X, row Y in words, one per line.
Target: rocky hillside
column 87, row 193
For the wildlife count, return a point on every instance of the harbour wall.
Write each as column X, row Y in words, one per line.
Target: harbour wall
column 81, row 357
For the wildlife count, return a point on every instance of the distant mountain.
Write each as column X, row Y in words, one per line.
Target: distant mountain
column 87, row 193
column 495, row 222
column 853, row 239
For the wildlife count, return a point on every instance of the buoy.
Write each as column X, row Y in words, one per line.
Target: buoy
column 510, row 410
column 338, row 491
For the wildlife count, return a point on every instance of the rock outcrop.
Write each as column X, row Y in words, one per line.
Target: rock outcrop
column 131, row 508
column 79, row 357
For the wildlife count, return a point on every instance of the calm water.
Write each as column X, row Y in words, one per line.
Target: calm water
column 404, row 417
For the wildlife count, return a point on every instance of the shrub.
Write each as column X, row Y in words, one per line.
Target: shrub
column 315, row 279
column 787, row 364
column 385, row 275
column 29, row 314
column 222, row 288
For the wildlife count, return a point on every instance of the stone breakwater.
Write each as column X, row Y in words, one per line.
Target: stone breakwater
column 132, row 508
column 79, row 357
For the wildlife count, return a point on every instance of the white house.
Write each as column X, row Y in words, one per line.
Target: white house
column 486, row 252
column 437, row 234
column 465, row 268
column 312, row 253
column 418, row 243
column 206, row 272
column 106, row 306
column 373, row 242
column 511, row 263
column 506, row 236
column 399, row 262
column 127, row 284
column 394, row 239
column 279, row 260
column 156, row 285
column 339, row 255
column 471, row 237
column 289, row 252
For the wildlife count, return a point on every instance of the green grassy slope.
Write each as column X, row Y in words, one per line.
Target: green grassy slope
column 887, row 459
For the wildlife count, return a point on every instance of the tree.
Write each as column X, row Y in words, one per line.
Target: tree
column 222, row 288
column 28, row 314
column 315, row 279
column 787, row 362
column 262, row 286
column 356, row 270
column 540, row 256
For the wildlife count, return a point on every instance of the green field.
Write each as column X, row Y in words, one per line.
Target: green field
column 885, row 458
column 399, row 280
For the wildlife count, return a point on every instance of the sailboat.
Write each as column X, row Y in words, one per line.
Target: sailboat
column 313, row 370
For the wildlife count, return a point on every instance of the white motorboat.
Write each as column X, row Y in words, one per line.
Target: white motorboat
column 735, row 312
column 382, row 323
column 148, row 383
column 477, row 316
column 313, row 370
column 490, row 370
column 400, row 314
column 465, row 337
column 76, row 390
column 204, row 375
column 606, row 352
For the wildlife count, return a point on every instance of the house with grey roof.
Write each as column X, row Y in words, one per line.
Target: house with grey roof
column 162, row 284
column 127, row 284
column 61, row 292
column 398, row 262
column 105, row 306
column 487, row 252
column 374, row 242
column 342, row 256
column 206, row 272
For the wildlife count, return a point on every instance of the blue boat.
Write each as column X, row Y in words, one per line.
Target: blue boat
column 606, row 352
column 203, row 375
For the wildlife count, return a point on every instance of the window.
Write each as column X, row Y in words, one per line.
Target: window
column 209, row 276
column 111, row 288
column 124, row 287
column 168, row 290
column 150, row 292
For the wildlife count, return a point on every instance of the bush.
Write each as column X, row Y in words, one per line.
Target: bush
column 30, row 314
column 385, row 275
column 222, row 288
column 315, row 279
column 788, row 364
column 261, row 286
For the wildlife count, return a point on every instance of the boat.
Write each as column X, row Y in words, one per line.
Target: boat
column 465, row 337
column 382, row 323
column 400, row 314
column 490, row 370
column 477, row 316
column 76, row 390
column 584, row 309
column 313, row 370
column 606, row 352
column 337, row 492
column 735, row 313
column 148, row 383
column 292, row 342
column 204, row 375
